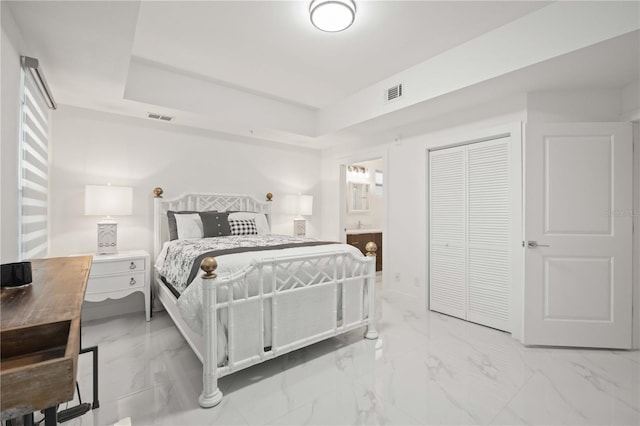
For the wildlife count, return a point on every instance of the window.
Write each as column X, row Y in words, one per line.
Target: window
column 33, row 183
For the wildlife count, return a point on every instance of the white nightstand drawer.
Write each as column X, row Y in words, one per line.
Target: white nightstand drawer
column 117, row 282
column 117, row 266
column 115, row 276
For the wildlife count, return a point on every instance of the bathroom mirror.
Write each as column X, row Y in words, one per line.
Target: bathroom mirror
column 358, row 200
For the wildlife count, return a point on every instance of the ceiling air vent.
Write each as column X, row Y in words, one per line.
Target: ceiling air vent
column 159, row 117
column 393, row 93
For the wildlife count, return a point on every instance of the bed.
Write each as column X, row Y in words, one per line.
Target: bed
column 256, row 296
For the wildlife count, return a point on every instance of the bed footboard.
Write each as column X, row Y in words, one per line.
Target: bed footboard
column 325, row 302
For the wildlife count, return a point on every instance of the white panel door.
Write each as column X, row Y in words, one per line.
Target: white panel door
column 447, row 205
column 578, row 203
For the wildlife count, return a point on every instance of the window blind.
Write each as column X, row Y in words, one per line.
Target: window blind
column 34, row 171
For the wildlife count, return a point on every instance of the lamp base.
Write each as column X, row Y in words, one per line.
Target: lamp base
column 107, row 237
column 299, row 227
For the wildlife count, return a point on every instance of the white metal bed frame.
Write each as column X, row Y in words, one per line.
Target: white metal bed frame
column 289, row 291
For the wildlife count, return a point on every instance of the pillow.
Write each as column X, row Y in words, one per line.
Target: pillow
column 215, row 224
column 243, row 227
column 171, row 218
column 262, row 225
column 188, row 226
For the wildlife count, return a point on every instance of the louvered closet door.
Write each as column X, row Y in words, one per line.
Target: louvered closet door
column 473, row 200
column 488, row 233
column 447, row 266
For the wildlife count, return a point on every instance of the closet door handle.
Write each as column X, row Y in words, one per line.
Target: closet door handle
column 534, row 244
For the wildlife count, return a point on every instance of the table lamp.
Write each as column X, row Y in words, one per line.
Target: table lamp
column 300, row 205
column 107, row 201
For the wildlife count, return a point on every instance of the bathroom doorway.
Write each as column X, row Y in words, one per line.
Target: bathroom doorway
column 363, row 207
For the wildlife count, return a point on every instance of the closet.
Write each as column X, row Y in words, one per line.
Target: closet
column 473, row 197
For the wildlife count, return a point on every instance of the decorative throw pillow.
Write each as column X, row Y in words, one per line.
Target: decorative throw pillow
column 215, row 224
column 262, row 225
column 171, row 219
column 243, row 227
column 189, row 226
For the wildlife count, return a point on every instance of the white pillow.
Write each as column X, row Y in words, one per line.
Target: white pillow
column 261, row 220
column 189, row 226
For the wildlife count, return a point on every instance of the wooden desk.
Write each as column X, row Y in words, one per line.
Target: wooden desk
column 39, row 336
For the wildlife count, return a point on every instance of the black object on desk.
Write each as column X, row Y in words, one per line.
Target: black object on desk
column 15, row 274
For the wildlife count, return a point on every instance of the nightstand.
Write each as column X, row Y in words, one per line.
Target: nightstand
column 114, row 276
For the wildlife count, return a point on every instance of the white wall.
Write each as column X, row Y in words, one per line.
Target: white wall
column 574, row 106
column 630, row 107
column 405, row 248
column 12, row 46
column 407, row 199
column 405, row 244
column 96, row 148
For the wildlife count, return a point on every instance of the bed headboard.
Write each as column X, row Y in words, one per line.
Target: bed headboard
column 200, row 202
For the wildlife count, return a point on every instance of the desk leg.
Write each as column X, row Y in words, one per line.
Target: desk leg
column 27, row 419
column 51, row 416
column 94, row 352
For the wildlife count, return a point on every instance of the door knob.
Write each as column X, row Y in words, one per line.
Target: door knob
column 534, row 244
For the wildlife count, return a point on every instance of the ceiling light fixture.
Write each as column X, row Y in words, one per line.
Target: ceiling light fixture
column 332, row 15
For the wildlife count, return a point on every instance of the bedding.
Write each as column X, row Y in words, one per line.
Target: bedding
column 262, row 225
column 243, row 227
column 179, row 260
column 192, row 224
column 188, row 226
column 215, row 224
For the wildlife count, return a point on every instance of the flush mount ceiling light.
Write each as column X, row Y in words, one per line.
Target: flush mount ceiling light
column 332, row 15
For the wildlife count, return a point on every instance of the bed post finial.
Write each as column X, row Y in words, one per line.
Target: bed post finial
column 209, row 265
column 157, row 192
column 269, row 196
column 371, row 248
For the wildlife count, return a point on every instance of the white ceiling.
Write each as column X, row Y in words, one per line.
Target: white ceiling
column 270, row 47
column 265, row 48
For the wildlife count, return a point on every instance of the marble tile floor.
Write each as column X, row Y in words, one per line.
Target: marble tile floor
column 426, row 368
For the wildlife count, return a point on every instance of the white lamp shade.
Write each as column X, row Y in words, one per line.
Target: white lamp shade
column 108, row 200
